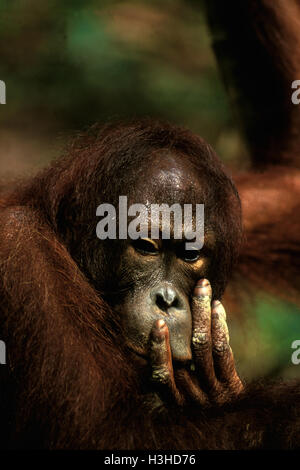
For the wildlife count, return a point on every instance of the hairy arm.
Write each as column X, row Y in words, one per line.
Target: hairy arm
column 59, row 356
column 257, row 44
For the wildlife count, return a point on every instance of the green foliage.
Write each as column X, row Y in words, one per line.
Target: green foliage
column 262, row 341
column 71, row 64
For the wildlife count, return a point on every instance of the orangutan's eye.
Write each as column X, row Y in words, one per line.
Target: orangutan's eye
column 190, row 255
column 145, row 246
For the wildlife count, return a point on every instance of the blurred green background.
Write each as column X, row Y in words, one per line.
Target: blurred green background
column 68, row 64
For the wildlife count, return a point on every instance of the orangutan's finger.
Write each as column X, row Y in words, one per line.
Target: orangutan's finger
column 222, row 353
column 201, row 335
column 162, row 374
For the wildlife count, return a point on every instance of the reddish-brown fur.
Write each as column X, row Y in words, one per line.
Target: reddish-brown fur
column 68, row 383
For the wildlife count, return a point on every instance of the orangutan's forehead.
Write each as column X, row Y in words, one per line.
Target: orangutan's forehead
column 169, row 179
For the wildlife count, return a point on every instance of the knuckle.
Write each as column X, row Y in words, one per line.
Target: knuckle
column 221, row 347
column 160, row 375
column 200, row 338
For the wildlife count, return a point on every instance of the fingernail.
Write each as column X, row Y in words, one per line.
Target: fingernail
column 202, row 288
column 218, row 308
column 161, row 323
column 157, row 333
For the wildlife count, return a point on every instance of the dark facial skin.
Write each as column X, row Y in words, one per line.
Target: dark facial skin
column 168, row 323
column 162, row 273
column 171, row 271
